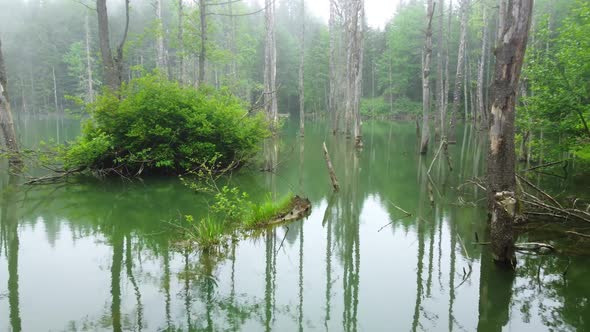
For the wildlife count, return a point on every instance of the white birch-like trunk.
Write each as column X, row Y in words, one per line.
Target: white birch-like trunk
column 426, row 59
column 301, row 72
column 270, row 67
column 89, row 73
column 161, row 61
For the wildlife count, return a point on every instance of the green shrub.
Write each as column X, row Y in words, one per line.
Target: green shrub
column 155, row 125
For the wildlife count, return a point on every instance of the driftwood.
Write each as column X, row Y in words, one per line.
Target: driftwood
column 539, row 204
column 333, row 178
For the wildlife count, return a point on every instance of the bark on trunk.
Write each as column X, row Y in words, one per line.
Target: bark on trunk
column 481, row 69
column 427, row 53
column 6, row 121
column 333, row 178
column 452, row 134
column 354, row 17
column 440, row 85
column 180, row 50
column 89, row 73
column 203, row 33
column 301, row 73
column 161, row 61
column 332, row 74
column 112, row 66
column 446, row 84
column 270, row 67
column 502, row 200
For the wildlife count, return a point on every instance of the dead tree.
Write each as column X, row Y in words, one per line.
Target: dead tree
column 354, row 18
column 440, row 80
column 481, row 68
column 89, row 72
column 270, row 67
column 6, row 121
column 112, row 65
column 452, row 134
column 501, row 177
column 301, row 72
column 203, row 35
column 426, row 59
column 161, row 58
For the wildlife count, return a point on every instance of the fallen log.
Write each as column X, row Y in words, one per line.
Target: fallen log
column 333, row 178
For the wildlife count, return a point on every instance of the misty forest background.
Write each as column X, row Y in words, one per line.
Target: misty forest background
column 52, row 54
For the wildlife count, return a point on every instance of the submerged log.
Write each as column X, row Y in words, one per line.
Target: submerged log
column 333, row 178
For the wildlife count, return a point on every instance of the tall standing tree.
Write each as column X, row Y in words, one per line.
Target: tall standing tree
column 161, row 57
column 6, row 122
column 203, row 35
column 301, row 72
column 440, row 79
column 426, row 59
column 270, row 67
column 501, row 171
column 452, row 134
column 112, row 65
column 481, row 68
column 354, row 18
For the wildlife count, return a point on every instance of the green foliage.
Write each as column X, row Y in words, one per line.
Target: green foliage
column 267, row 210
column 156, row 125
column 558, row 72
column 378, row 107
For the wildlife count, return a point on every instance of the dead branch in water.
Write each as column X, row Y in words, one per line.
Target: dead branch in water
column 331, row 169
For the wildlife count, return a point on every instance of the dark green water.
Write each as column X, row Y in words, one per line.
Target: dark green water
column 99, row 256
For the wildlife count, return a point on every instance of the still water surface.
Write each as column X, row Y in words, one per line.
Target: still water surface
column 100, row 256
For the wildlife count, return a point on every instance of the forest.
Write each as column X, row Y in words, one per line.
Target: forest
column 188, row 165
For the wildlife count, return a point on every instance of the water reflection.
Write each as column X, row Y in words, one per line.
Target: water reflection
column 107, row 254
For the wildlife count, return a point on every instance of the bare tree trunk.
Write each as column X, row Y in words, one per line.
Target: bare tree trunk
column 203, row 51
column 161, row 61
column 6, row 121
column 446, row 83
column 354, row 17
column 180, row 50
column 56, row 105
column 112, row 66
column 270, row 67
column 89, row 73
column 426, row 59
column 459, row 75
column 501, row 177
column 333, row 76
column 440, row 85
column 481, row 68
column 301, row 73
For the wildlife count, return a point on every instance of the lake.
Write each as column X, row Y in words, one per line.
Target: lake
column 91, row 255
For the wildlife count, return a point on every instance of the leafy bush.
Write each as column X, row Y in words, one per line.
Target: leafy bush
column 155, row 125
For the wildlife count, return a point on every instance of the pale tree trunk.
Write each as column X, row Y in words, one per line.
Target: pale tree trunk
column 446, row 82
column 501, row 177
column 56, row 105
column 180, row 49
column 426, row 59
column 89, row 73
column 452, row 134
column 481, row 69
column 333, row 76
column 354, row 16
column 203, row 33
column 161, row 61
column 270, row 67
column 301, row 72
column 6, row 121
column 112, row 66
column 440, row 85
